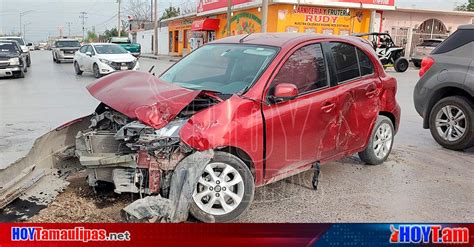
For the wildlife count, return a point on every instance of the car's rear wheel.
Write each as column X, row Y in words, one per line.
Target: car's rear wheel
column 380, row 143
column 77, row 69
column 224, row 190
column 401, row 64
column 96, row 71
column 451, row 123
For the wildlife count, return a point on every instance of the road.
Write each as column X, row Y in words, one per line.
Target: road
column 421, row 182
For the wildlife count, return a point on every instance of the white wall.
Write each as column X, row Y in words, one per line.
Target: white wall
column 144, row 38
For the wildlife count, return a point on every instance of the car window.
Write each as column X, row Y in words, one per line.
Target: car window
column 83, row 49
column 305, row 68
column 8, row 47
column 90, row 49
column 459, row 38
column 345, row 61
column 366, row 66
column 110, row 49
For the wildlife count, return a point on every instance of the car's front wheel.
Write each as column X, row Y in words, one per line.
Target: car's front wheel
column 95, row 69
column 224, row 191
column 452, row 123
column 380, row 143
column 77, row 69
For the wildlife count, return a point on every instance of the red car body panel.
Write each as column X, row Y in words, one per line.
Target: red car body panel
column 143, row 96
column 279, row 139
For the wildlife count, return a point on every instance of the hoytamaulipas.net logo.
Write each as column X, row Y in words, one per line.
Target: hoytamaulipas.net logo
column 73, row 234
column 434, row 234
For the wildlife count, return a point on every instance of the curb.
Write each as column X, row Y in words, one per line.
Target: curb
column 174, row 60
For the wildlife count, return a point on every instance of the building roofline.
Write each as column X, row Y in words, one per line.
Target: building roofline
column 434, row 11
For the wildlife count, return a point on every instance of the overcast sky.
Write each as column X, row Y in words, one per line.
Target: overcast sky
column 47, row 16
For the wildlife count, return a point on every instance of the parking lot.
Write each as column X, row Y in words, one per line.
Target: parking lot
column 421, row 182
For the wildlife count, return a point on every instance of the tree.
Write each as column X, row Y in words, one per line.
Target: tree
column 139, row 10
column 170, row 12
column 469, row 6
column 109, row 33
column 91, row 36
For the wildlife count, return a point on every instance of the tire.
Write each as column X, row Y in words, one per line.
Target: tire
column 28, row 61
column 77, row 69
column 417, row 64
column 439, row 114
column 95, row 69
column 21, row 75
column 244, row 190
column 25, row 70
column 401, row 64
column 381, row 139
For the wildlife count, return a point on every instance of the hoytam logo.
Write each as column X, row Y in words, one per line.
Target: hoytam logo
column 435, row 234
column 75, row 234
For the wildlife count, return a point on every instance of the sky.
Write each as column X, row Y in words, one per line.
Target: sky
column 47, row 17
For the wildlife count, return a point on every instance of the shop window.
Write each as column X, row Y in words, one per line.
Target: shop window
column 310, row 30
column 305, row 68
column 345, row 61
column 366, row 66
column 344, row 32
column 328, row 31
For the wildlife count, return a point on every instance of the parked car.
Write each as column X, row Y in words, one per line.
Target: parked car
column 126, row 43
column 24, row 47
column 444, row 95
column 63, row 50
column 103, row 58
column 260, row 108
column 31, row 47
column 424, row 49
column 12, row 62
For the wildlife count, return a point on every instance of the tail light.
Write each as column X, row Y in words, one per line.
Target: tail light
column 426, row 64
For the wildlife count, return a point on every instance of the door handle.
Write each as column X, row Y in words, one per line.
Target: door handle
column 328, row 107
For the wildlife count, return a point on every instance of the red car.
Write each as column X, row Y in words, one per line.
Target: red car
column 269, row 106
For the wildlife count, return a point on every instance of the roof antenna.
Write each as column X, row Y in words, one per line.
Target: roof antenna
column 243, row 38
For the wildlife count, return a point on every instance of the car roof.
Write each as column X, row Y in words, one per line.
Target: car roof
column 464, row 27
column 275, row 39
column 67, row 40
column 10, row 37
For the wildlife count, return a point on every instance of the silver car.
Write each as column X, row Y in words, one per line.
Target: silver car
column 424, row 49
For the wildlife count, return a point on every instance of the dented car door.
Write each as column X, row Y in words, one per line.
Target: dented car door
column 295, row 129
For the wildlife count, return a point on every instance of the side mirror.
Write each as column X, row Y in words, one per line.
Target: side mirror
column 284, row 92
column 89, row 54
column 29, row 44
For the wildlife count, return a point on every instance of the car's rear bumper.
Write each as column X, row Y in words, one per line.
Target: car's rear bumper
column 11, row 71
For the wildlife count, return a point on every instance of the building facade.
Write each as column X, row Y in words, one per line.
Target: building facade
column 337, row 17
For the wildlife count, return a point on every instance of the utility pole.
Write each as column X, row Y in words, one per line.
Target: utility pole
column 264, row 15
column 83, row 17
column 69, row 28
column 22, row 13
column 155, row 26
column 119, row 25
column 229, row 17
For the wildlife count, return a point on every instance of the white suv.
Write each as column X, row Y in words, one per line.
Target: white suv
column 103, row 58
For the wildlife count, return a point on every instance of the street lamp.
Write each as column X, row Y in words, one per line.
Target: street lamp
column 22, row 13
column 24, row 29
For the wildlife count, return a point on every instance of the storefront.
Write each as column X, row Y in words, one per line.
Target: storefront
column 334, row 17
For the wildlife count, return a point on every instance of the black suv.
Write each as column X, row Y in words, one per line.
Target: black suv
column 444, row 96
column 12, row 62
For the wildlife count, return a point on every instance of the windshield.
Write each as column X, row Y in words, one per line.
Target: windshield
column 8, row 48
column 110, row 49
column 69, row 43
column 19, row 40
column 120, row 40
column 227, row 69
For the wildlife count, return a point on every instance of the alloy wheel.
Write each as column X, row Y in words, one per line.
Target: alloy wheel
column 450, row 123
column 383, row 141
column 220, row 189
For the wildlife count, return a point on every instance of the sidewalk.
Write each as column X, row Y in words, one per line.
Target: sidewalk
column 161, row 57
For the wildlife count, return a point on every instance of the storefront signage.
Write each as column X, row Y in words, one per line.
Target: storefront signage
column 208, row 5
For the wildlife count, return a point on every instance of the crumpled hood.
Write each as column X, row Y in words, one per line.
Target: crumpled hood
column 142, row 96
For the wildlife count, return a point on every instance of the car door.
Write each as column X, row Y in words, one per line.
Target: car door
column 89, row 59
column 295, row 129
column 79, row 56
column 357, row 87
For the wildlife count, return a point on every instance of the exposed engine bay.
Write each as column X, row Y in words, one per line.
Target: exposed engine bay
column 133, row 156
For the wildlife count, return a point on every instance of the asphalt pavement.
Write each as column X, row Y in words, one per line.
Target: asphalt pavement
column 421, row 182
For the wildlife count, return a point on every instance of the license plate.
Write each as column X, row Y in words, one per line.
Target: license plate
column 124, row 68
